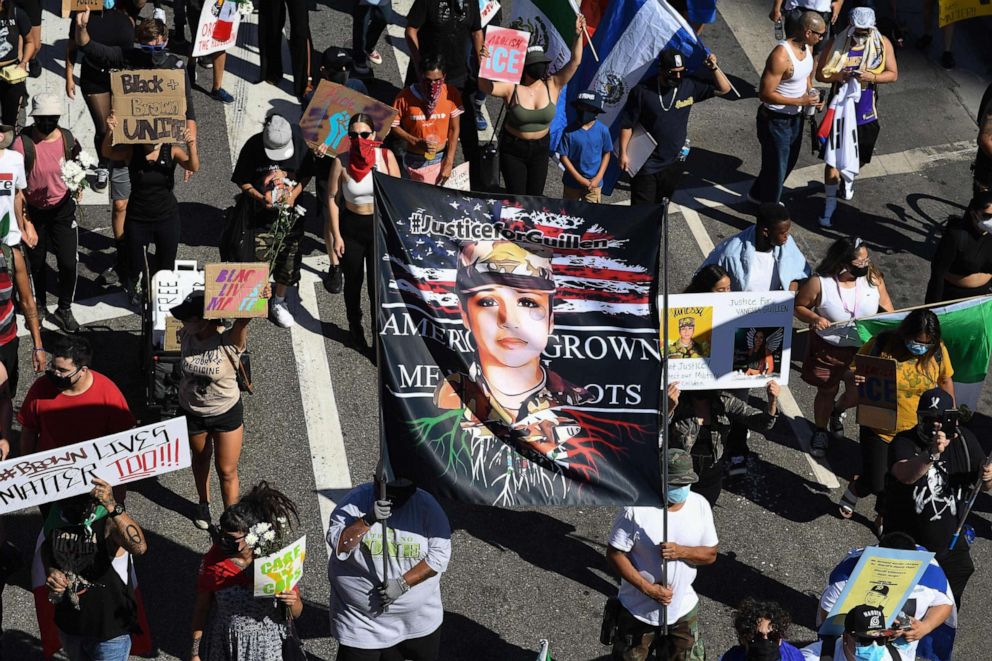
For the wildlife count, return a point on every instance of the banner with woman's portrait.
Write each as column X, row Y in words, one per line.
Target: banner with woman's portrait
column 519, row 353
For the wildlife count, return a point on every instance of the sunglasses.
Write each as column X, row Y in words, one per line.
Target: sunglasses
column 821, row 35
column 868, row 640
column 773, row 635
column 365, row 135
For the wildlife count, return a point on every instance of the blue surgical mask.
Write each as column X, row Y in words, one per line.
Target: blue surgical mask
column 109, row 4
column 917, row 348
column 678, row 495
column 869, row 653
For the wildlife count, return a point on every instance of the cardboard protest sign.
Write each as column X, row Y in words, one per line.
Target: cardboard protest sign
column 883, row 578
column 218, row 27
column 69, row 6
column 487, row 10
column 131, row 455
column 150, row 105
column 281, row 571
column 877, row 395
column 459, row 179
column 170, row 342
column 234, row 290
column 731, row 340
column 507, row 50
column 325, row 121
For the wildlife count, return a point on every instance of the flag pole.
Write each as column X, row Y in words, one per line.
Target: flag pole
column 585, row 30
column 380, row 469
column 925, row 306
column 664, row 409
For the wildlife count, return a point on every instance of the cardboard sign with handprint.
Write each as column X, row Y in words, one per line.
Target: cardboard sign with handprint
column 325, row 122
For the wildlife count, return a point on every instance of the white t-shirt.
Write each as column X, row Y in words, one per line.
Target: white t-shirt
column 764, row 273
column 419, row 531
column 815, row 5
column 637, row 531
column 12, row 179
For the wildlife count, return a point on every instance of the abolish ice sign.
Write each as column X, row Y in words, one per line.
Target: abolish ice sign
column 507, row 50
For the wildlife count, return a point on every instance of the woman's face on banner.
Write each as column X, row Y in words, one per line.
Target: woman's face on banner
column 510, row 326
column 759, row 340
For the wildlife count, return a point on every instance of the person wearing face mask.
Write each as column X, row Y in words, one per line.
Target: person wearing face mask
column 662, row 106
column 711, row 278
column 846, row 286
column 525, row 144
column 859, row 53
column 72, row 402
column 635, row 552
column 397, row 615
column 17, row 48
column 922, row 363
column 427, row 121
column 932, row 468
column 585, row 150
column 762, row 627
column 352, row 205
column 982, row 166
column 228, row 622
column 962, row 265
column 865, row 639
column 210, row 398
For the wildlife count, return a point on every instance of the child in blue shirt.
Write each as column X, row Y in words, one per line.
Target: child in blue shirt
column 585, row 149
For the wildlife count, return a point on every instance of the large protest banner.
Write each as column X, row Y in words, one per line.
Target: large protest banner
column 233, row 290
column 731, row 340
column 507, row 50
column 883, row 578
column 519, row 358
column 877, row 395
column 131, row 455
column 952, row 11
column 150, row 105
column 218, row 27
column 280, row 571
column 325, row 121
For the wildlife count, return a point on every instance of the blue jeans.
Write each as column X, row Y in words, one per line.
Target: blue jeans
column 87, row 648
column 781, row 137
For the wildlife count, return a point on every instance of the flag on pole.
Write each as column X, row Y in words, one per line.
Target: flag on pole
column 966, row 330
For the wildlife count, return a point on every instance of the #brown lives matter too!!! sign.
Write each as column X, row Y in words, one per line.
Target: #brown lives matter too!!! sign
column 150, row 105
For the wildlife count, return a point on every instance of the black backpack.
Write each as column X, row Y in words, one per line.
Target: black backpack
column 31, row 154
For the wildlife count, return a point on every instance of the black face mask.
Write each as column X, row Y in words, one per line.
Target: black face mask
column 763, row 649
column 400, row 492
column 46, row 124
column 670, row 79
column 586, row 116
column 61, row 382
column 537, row 71
column 158, row 57
column 339, row 77
column 858, row 271
column 229, row 545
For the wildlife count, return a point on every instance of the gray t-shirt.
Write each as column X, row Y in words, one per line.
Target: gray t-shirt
column 417, row 531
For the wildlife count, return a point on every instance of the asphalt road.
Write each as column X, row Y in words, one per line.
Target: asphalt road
column 517, row 576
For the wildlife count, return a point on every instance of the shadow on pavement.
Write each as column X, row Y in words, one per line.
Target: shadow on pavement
column 462, row 638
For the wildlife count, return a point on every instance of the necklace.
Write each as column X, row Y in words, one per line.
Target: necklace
column 840, row 295
column 675, row 90
column 526, row 391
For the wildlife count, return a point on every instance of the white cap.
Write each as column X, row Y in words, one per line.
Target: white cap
column 863, row 18
column 277, row 138
column 47, row 103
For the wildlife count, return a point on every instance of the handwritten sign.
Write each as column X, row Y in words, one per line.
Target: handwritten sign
column 132, row 455
column 325, row 121
column 877, row 395
column 487, row 10
column 218, row 27
column 459, row 179
column 69, row 6
column 952, row 11
column 507, row 50
column 150, row 105
column 281, row 571
column 234, row 290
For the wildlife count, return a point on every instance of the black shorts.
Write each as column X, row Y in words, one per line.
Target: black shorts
column 8, row 356
column 227, row 421
column 33, row 9
column 425, row 648
column 867, row 136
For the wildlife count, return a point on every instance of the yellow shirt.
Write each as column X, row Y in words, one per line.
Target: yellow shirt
column 911, row 382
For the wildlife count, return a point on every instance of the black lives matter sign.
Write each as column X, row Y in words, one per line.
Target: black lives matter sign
column 150, row 105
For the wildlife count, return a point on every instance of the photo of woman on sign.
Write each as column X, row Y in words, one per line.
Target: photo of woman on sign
column 756, row 351
column 506, row 296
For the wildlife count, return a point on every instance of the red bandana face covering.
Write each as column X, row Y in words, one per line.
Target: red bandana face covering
column 361, row 157
column 431, row 90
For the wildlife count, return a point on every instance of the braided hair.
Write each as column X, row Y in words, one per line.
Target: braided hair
column 264, row 503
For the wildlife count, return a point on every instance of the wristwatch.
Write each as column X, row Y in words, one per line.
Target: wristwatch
column 117, row 511
column 934, row 457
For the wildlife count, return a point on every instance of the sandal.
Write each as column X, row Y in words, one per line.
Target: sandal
column 847, row 504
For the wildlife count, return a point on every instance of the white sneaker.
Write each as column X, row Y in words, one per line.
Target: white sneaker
column 847, row 190
column 375, row 57
column 281, row 315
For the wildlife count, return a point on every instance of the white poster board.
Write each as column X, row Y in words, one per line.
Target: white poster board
column 218, row 27
column 731, row 340
column 639, row 149
column 132, row 455
column 459, row 179
column 487, row 10
column 281, row 571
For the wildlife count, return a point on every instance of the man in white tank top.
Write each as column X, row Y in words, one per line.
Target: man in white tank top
column 786, row 89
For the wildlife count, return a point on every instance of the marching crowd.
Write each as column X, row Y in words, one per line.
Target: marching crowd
column 385, row 598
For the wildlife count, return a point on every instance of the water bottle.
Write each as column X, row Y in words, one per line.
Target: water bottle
column 684, row 152
column 780, row 30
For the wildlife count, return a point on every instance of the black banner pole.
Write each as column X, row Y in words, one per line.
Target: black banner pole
column 374, row 280
column 664, row 408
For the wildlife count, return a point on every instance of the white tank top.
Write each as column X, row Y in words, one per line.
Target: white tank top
column 360, row 192
column 842, row 304
column 796, row 86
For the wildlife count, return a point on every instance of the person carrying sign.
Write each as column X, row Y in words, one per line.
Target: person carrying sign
column 865, row 638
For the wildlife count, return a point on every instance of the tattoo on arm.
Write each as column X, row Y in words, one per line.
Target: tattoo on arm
column 133, row 534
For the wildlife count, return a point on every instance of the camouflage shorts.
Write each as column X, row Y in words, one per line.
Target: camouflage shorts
column 286, row 269
column 637, row 641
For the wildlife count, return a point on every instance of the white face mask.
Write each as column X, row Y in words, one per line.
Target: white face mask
column 986, row 225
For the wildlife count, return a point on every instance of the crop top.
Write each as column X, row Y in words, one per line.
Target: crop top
column 360, row 192
column 962, row 251
column 527, row 120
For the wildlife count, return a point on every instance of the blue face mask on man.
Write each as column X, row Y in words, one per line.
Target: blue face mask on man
column 869, row 653
column 678, row 495
column 917, row 348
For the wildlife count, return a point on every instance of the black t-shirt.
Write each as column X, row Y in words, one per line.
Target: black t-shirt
column 446, row 27
column 647, row 106
column 152, row 182
column 983, row 162
column 254, row 164
column 13, row 24
column 111, row 28
column 929, row 509
column 962, row 251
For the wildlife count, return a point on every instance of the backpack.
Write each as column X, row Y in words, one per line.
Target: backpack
column 30, row 153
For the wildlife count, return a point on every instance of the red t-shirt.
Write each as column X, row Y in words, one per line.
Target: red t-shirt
column 60, row 419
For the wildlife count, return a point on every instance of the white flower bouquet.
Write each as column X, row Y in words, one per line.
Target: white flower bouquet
column 245, row 8
column 279, row 186
column 75, row 171
column 266, row 538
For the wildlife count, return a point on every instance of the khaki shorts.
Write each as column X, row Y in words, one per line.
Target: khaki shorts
column 593, row 195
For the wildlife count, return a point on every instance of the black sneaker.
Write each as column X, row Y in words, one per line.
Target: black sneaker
column 947, row 60
column 357, row 334
column 836, row 424
column 108, row 278
column 102, row 179
column 34, row 68
column 62, row 317
column 334, row 280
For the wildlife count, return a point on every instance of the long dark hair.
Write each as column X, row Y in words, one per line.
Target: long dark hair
column 263, row 504
column 840, row 254
column 706, row 278
column 915, row 323
column 361, row 118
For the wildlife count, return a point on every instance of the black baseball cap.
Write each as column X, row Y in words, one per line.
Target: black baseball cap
column 865, row 621
column 934, row 402
column 336, row 58
column 535, row 55
column 669, row 59
column 590, row 98
column 190, row 308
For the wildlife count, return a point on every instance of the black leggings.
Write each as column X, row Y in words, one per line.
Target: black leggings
column 10, row 101
column 163, row 234
column 524, row 163
column 425, row 648
column 359, row 258
column 271, row 18
column 56, row 228
column 874, row 467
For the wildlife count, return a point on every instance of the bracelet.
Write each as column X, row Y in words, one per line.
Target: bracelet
column 195, row 649
column 38, row 350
